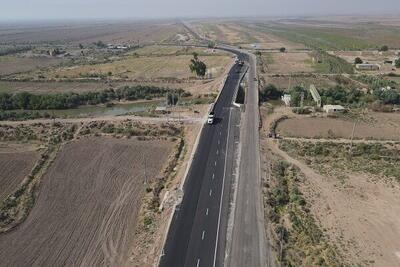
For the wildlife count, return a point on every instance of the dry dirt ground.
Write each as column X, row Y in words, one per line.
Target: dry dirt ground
column 118, row 32
column 287, row 63
column 359, row 215
column 87, row 207
column 15, row 164
column 13, row 64
column 383, row 126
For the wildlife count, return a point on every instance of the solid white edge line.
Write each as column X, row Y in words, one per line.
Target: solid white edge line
column 223, row 186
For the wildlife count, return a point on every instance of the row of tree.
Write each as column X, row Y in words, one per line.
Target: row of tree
column 334, row 95
column 29, row 101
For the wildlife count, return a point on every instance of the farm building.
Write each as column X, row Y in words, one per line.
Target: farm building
column 161, row 110
column 333, row 109
column 367, row 66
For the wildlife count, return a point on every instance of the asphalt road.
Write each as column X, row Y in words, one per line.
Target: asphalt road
column 248, row 246
column 198, row 230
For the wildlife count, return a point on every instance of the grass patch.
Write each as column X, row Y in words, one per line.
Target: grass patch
column 325, row 63
column 334, row 159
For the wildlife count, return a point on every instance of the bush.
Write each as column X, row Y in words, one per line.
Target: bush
column 384, row 48
column 358, row 60
column 301, row 110
column 270, row 92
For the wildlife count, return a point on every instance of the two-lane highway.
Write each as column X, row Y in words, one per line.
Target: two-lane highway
column 197, row 233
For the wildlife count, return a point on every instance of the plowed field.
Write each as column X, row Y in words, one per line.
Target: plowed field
column 87, row 207
column 14, row 167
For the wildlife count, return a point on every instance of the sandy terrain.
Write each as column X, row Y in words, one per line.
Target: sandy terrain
column 309, row 127
column 360, row 217
column 14, row 166
column 360, row 214
column 87, row 207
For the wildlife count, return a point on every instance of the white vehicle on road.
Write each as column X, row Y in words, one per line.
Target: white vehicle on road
column 210, row 119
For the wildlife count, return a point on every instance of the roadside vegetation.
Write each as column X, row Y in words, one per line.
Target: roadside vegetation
column 29, row 101
column 298, row 239
column 336, row 159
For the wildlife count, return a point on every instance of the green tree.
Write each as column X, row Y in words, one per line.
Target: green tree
column 384, row 48
column 197, row 66
column 211, row 44
column 397, row 63
column 282, row 49
column 358, row 60
column 270, row 92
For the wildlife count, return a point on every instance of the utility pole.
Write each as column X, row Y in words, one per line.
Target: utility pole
column 302, row 99
column 352, row 137
column 145, row 168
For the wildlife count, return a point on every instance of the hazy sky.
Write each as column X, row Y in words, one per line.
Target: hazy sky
column 61, row 9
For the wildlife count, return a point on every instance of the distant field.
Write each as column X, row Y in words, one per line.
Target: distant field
column 128, row 31
column 88, row 205
column 15, row 64
column 140, row 68
column 14, row 166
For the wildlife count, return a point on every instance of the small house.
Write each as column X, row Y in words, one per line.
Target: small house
column 333, row 109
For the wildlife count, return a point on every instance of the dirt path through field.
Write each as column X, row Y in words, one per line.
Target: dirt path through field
column 362, row 217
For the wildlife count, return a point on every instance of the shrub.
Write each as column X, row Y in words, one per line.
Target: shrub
column 270, row 92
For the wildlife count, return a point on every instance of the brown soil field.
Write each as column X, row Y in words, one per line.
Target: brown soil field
column 383, row 126
column 15, row 166
column 287, row 63
column 87, row 207
column 13, row 64
column 118, row 32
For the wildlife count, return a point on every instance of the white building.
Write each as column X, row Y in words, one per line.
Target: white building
column 333, row 109
column 367, row 66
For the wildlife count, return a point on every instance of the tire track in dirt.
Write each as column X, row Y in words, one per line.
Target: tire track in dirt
column 86, row 211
